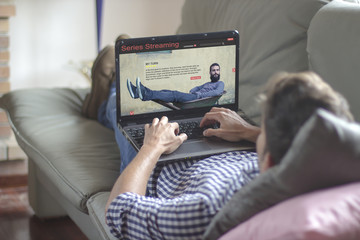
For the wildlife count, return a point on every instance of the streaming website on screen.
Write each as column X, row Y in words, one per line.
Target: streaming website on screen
column 180, row 67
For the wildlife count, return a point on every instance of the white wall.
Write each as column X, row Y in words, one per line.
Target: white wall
column 46, row 35
column 140, row 18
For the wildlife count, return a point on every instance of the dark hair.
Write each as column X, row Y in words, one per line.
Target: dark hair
column 290, row 99
column 214, row 64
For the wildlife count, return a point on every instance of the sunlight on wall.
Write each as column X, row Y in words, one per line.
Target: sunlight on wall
column 49, row 39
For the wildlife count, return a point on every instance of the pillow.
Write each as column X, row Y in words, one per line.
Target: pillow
column 273, row 37
column 325, row 153
column 329, row 214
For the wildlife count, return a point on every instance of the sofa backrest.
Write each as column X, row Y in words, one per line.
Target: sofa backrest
column 334, row 49
column 273, row 37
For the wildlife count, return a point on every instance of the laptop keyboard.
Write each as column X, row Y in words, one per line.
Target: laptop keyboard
column 191, row 128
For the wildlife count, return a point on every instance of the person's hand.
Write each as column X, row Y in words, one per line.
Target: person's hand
column 160, row 137
column 232, row 127
column 163, row 135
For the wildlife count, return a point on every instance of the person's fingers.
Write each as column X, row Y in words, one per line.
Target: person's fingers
column 164, row 120
column 155, row 121
column 210, row 118
column 175, row 126
column 213, row 132
column 183, row 137
column 216, row 109
column 177, row 141
column 221, row 110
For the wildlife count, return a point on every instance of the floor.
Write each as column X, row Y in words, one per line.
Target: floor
column 17, row 219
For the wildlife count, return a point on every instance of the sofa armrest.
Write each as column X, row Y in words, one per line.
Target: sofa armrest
column 78, row 155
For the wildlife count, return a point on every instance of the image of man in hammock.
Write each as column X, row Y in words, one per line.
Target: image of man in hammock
column 209, row 89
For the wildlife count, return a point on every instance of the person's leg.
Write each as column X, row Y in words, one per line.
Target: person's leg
column 102, row 75
column 107, row 117
column 132, row 89
column 103, row 110
column 169, row 96
column 100, row 103
column 147, row 94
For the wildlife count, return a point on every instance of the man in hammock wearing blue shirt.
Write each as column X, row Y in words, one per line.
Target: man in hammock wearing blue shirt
column 209, row 89
column 178, row 200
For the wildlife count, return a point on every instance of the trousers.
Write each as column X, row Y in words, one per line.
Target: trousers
column 107, row 117
column 168, row 96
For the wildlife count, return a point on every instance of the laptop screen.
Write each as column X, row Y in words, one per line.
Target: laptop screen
column 180, row 73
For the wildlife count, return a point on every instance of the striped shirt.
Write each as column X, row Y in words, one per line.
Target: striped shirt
column 182, row 197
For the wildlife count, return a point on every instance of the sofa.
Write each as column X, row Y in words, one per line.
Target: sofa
column 74, row 161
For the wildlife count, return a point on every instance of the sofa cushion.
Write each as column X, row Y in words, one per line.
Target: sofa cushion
column 77, row 154
column 272, row 37
column 325, row 153
column 329, row 214
column 334, row 52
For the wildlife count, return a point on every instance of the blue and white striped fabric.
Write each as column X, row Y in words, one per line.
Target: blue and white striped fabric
column 183, row 197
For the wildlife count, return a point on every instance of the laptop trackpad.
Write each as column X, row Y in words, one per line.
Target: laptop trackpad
column 194, row 146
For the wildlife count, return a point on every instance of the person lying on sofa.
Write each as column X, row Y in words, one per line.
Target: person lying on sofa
column 178, row 200
column 208, row 89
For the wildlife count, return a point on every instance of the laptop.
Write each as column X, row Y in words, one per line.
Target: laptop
column 177, row 62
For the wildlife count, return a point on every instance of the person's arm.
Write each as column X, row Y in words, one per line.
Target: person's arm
column 197, row 88
column 232, row 127
column 132, row 216
column 218, row 90
column 156, row 218
column 161, row 137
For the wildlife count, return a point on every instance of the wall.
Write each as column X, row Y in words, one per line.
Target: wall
column 50, row 39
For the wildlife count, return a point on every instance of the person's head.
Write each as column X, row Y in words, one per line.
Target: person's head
column 214, row 72
column 288, row 101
